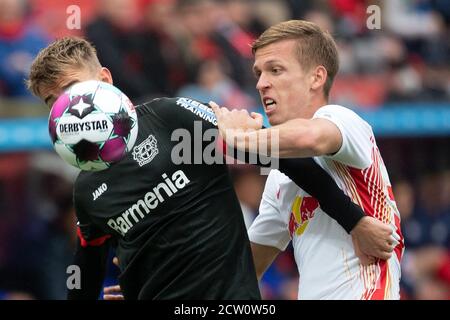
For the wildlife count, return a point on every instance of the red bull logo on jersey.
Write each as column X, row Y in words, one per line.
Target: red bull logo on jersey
column 302, row 211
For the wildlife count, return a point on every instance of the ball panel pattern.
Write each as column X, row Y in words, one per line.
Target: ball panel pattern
column 92, row 125
column 113, row 150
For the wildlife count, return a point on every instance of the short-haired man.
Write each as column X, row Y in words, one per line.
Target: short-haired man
column 295, row 63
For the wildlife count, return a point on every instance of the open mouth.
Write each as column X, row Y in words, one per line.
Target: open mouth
column 269, row 104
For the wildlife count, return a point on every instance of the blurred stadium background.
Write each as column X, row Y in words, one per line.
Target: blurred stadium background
column 396, row 77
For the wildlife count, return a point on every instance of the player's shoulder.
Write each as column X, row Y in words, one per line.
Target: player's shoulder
column 182, row 102
column 276, row 177
column 84, row 180
column 152, row 105
column 338, row 112
column 177, row 105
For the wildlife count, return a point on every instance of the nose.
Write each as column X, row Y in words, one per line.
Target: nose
column 263, row 83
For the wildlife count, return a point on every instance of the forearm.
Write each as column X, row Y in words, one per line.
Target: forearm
column 92, row 263
column 309, row 176
column 298, row 138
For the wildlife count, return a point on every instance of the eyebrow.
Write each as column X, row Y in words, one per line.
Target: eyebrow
column 269, row 62
column 63, row 88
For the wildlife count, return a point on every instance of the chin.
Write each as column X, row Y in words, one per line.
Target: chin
column 274, row 120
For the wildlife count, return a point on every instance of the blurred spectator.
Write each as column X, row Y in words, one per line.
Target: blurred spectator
column 426, row 228
column 212, row 84
column 42, row 236
column 352, row 16
column 162, row 63
column 412, row 18
column 114, row 35
column 233, row 35
column 20, row 41
column 244, row 13
column 423, row 30
column 211, row 33
column 60, row 18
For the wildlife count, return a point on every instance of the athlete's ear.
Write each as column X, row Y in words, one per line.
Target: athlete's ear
column 105, row 75
column 319, row 77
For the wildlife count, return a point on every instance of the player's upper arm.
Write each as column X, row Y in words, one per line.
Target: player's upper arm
column 263, row 257
column 327, row 138
column 356, row 135
column 304, row 138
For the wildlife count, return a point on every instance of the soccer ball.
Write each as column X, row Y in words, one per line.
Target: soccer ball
column 93, row 125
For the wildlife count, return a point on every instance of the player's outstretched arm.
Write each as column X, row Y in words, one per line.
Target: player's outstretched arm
column 292, row 139
column 371, row 237
column 92, row 263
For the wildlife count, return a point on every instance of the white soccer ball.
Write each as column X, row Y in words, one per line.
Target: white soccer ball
column 93, row 125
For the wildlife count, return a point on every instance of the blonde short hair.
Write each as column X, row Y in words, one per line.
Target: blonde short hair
column 61, row 55
column 315, row 46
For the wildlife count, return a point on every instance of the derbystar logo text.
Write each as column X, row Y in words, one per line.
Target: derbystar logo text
column 83, row 126
column 151, row 200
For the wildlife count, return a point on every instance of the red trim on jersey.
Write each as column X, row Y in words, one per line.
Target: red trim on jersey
column 362, row 189
column 367, row 188
column 376, row 200
column 91, row 243
column 399, row 248
column 391, row 194
column 380, row 291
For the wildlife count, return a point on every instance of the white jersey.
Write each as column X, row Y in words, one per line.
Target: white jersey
column 324, row 253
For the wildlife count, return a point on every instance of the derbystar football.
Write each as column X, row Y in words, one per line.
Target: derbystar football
column 93, row 125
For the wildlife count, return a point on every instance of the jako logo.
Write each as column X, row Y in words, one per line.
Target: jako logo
column 165, row 189
column 97, row 193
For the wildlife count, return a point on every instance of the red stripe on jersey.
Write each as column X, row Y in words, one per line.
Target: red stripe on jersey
column 362, row 188
column 91, row 243
column 380, row 291
column 399, row 248
column 370, row 187
column 391, row 194
column 370, row 191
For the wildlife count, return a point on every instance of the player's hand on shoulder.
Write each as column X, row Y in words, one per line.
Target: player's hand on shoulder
column 231, row 121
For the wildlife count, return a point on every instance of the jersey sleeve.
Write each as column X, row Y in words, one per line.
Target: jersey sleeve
column 88, row 233
column 269, row 228
column 357, row 136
